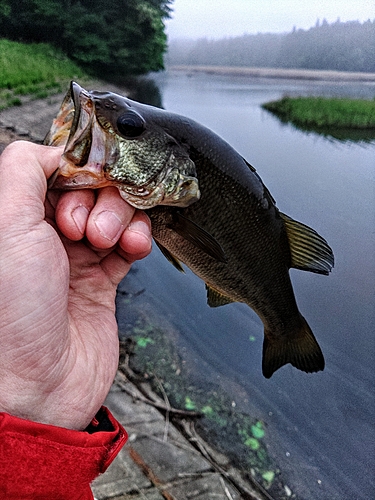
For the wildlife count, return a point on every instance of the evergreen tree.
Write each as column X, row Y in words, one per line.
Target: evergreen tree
column 108, row 37
column 339, row 46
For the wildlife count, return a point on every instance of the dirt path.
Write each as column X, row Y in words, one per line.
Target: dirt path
column 31, row 121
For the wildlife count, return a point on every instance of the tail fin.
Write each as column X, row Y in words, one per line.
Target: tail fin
column 299, row 349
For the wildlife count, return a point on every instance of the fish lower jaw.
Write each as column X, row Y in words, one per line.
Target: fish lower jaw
column 81, row 180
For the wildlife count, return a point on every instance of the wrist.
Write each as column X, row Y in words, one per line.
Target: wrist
column 47, row 403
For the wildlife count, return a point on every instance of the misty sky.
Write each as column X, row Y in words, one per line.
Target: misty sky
column 220, row 18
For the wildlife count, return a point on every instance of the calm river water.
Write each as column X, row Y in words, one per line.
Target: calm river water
column 322, row 425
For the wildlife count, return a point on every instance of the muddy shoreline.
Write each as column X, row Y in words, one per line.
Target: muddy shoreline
column 292, row 74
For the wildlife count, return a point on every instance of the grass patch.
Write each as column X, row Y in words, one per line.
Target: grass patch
column 340, row 118
column 36, row 70
column 325, row 112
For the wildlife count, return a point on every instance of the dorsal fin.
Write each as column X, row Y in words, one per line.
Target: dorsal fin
column 309, row 251
column 215, row 298
column 172, row 259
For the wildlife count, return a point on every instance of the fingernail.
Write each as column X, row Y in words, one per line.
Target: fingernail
column 79, row 216
column 141, row 228
column 109, row 225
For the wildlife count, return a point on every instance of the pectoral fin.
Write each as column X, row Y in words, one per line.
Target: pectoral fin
column 197, row 236
column 215, row 298
column 309, row 251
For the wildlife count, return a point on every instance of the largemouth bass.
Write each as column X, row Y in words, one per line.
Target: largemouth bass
column 208, row 206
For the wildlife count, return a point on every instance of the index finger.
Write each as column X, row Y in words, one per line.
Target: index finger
column 24, row 170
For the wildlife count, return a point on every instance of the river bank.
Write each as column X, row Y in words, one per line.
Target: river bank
column 292, row 74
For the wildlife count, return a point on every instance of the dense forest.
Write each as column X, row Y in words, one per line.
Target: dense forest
column 348, row 46
column 106, row 37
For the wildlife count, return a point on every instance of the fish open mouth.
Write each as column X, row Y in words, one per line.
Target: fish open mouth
column 86, row 143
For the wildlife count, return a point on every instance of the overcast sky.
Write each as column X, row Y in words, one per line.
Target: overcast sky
column 220, row 18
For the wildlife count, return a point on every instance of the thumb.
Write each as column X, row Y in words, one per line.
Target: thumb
column 24, row 170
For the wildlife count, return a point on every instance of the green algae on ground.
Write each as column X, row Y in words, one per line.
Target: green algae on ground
column 252, row 443
column 241, row 437
column 257, row 430
column 189, row 404
column 268, row 476
column 143, row 341
column 207, row 410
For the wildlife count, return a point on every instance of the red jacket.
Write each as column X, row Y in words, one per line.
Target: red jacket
column 40, row 462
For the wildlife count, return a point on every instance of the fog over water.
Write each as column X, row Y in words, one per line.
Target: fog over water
column 220, row 18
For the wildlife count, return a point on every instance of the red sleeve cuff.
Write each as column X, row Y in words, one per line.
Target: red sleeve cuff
column 39, row 461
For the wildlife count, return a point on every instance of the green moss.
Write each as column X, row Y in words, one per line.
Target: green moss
column 207, row 410
column 143, row 341
column 252, row 443
column 268, row 476
column 189, row 404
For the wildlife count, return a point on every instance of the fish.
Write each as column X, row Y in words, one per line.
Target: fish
column 208, row 206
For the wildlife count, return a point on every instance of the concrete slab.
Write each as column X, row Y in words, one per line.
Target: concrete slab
column 123, row 476
column 209, row 486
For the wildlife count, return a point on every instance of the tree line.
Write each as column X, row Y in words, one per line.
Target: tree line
column 105, row 37
column 348, row 46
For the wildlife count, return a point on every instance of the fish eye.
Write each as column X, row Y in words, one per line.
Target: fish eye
column 130, row 124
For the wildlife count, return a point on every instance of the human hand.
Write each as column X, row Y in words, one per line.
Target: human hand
column 58, row 332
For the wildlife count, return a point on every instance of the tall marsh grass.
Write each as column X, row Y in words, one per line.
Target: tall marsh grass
column 35, row 69
column 323, row 113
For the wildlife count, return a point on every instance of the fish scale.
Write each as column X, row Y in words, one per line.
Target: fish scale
column 244, row 239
